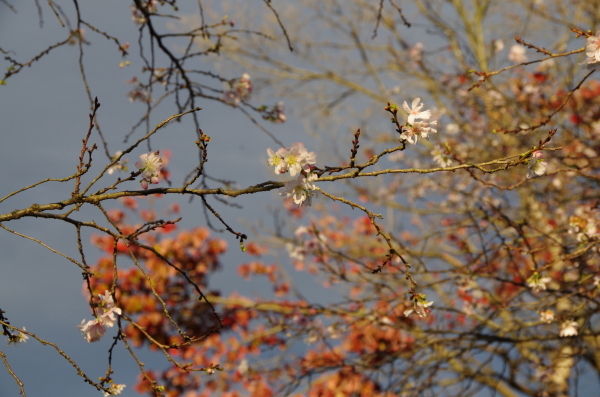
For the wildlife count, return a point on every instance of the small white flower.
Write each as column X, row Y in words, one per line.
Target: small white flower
column 418, row 129
column 119, row 165
column 115, row 390
column 415, row 112
column 20, row 337
column 420, row 306
column 537, row 283
column 568, row 328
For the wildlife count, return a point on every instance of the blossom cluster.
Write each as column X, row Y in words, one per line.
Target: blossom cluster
column 93, row 330
column 138, row 16
column 239, row 90
column 150, row 165
column 308, row 243
column 592, row 50
column 414, row 129
column 585, row 224
column 297, row 161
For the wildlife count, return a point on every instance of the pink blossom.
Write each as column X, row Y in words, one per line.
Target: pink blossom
column 240, row 90
column 107, row 305
column 592, row 49
column 150, row 165
column 93, row 330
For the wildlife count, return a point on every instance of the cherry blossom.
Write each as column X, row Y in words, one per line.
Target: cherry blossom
column 537, row 283
column 277, row 159
column 592, row 49
column 300, row 189
column 415, row 112
column 568, row 328
column 299, row 159
column 150, row 165
column 420, row 306
column 517, row 54
column 440, row 157
column 537, row 165
column 115, row 390
column 107, row 305
column 240, row 90
column 16, row 339
column 119, row 165
column 93, row 330
column 275, row 115
column 418, row 129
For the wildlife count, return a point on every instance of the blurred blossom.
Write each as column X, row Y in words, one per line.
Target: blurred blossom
column 420, row 306
column 275, row 115
column 119, row 165
column 498, row 45
column 546, row 316
column 240, row 90
column 441, row 157
column 568, row 328
column 592, row 49
column 517, row 54
column 76, row 36
column 138, row 16
column 537, row 283
column 139, row 94
column 415, row 53
column 452, row 129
